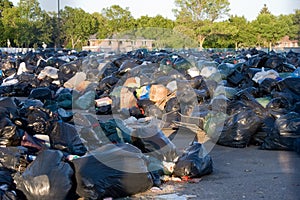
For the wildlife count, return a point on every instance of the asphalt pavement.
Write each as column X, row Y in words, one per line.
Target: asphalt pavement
column 239, row 173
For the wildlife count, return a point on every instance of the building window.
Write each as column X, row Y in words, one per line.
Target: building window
column 109, row 43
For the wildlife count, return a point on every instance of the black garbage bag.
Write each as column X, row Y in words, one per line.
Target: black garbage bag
column 267, row 127
column 64, row 137
column 9, row 104
column 64, row 115
column 172, row 105
column 274, row 61
column 278, row 106
column 64, row 100
column 290, row 85
column 27, row 77
column 91, row 139
column 137, row 112
column 235, row 78
column 23, row 105
column 287, row 67
column 68, row 70
column 109, row 69
column 194, row 162
column 297, row 145
column 150, row 139
column 116, row 131
column 239, row 128
column 107, row 83
column 7, row 186
column 296, row 107
column 127, row 65
column 226, row 69
column 6, row 90
column 14, row 158
column 289, row 124
column 22, row 89
column 112, row 171
column 55, row 62
column 48, row 177
column 10, row 135
column 267, row 85
column 42, row 94
column 103, row 110
column 277, row 142
column 38, row 120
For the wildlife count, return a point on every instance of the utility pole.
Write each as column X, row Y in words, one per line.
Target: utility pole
column 58, row 9
column 58, row 24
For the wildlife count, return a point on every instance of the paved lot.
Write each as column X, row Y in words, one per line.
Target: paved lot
column 239, row 173
column 248, row 173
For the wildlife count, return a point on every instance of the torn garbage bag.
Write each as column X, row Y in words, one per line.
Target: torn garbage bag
column 112, row 171
column 194, row 162
column 48, row 177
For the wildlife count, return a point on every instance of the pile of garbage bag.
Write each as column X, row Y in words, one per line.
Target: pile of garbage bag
column 91, row 125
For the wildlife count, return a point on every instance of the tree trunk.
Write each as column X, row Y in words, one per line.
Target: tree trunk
column 270, row 46
column 73, row 44
column 236, row 46
column 201, row 39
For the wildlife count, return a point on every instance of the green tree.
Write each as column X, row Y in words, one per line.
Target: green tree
column 269, row 29
column 45, row 29
column 30, row 10
column 158, row 22
column 10, row 21
column 77, row 26
column 157, row 28
column 296, row 23
column 200, row 15
column 243, row 35
column 51, row 20
column 4, row 4
column 118, row 19
column 102, row 31
column 290, row 28
column 30, row 25
column 265, row 10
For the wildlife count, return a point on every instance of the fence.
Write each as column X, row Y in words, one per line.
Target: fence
column 15, row 50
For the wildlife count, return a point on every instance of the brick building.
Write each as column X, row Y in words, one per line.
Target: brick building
column 285, row 42
column 118, row 45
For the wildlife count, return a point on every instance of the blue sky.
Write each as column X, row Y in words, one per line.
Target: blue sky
column 249, row 9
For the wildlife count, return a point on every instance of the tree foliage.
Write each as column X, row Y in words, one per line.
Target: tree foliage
column 198, row 22
column 4, row 4
column 296, row 23
column 200, row 15
column 269, row 29
column 77, row 26
column 118, row 19
column 265, row 10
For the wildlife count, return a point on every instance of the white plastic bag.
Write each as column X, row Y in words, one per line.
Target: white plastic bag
column 260, row 76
